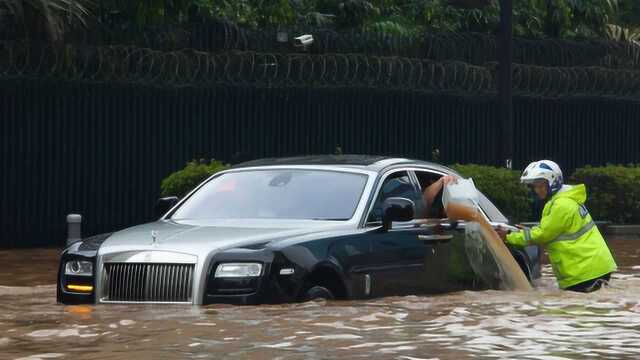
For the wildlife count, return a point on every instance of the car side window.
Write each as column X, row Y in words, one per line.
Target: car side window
column 395, row 185
column 427, row 178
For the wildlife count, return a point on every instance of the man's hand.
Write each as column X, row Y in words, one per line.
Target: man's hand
column 448, row 179
column 502, row 233
column 432, row 190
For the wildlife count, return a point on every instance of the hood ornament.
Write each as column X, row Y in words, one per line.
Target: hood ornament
column 154, row 237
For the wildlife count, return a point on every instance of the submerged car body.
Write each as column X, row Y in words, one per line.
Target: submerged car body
column 284, row 230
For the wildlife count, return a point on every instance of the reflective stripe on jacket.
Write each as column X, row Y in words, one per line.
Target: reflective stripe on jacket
column 577, row 251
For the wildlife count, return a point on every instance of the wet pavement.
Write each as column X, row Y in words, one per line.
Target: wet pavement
column 544, row 324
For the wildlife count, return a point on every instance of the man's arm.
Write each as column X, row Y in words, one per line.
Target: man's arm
column 430, row 193
column 551, row 226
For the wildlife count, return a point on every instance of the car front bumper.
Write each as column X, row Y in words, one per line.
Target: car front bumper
column 280, row 281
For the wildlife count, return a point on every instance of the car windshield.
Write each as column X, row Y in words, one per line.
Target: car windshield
column 276, row 194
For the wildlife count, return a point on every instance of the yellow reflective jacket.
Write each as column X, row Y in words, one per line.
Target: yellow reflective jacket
column 577, row 251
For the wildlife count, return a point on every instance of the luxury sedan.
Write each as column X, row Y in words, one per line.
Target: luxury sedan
column 286, row 230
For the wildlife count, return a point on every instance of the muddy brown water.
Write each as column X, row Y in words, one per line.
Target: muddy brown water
column 544, row 324
column 512, row 276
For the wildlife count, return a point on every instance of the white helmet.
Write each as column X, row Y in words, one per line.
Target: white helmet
column 544, row 170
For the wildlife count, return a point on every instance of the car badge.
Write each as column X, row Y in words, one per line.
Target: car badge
column 154, row 237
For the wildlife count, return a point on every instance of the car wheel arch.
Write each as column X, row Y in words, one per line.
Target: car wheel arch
column 327, row 274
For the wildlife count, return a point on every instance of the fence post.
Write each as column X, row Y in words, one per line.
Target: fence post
column 74, row 228
column 505, row 86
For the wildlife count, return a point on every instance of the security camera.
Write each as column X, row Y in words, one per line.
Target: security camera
column 303, row 41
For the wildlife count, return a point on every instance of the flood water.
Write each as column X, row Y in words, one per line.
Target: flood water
column 544, row 324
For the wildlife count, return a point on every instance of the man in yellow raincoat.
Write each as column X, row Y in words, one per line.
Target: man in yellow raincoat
column 579, row 256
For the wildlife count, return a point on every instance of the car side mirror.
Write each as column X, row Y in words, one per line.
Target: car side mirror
column 164, row 204
column 396, row 209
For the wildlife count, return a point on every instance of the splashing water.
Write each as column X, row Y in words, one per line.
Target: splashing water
column 481, row 239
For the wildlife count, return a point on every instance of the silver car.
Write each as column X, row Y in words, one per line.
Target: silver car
column 284, row 230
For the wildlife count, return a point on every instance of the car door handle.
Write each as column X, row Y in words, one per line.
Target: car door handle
column 435, row 238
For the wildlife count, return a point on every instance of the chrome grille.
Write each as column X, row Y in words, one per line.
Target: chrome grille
column 148, row 282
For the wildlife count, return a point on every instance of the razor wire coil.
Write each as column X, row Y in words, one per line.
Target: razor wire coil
column 473, row 48
column 189, row 67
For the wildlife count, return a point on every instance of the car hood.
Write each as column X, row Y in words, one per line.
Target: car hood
column 203, row 236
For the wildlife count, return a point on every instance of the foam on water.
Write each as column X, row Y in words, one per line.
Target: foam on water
column 4, row 341
column 26, row 290
column 396, row 349
column 278, row 345
column 377, row 344
column 60, row 333
column 335, row 337
column 42, row 356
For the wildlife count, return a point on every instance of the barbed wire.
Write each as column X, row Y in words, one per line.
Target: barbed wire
column 472, row 48
column 122, row 64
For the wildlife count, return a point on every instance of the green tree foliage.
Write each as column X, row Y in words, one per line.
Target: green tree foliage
column 629, row 13
column 621, row 33
column 616, row 19
column 627, row 25
column 127, row 13
column 44, row 20
column 252, row 13
column 183, row 181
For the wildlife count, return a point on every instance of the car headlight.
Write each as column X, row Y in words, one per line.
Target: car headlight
column 78, row 268
column 238, row 270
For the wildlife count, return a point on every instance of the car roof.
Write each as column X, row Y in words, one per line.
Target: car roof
column 369, row 162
